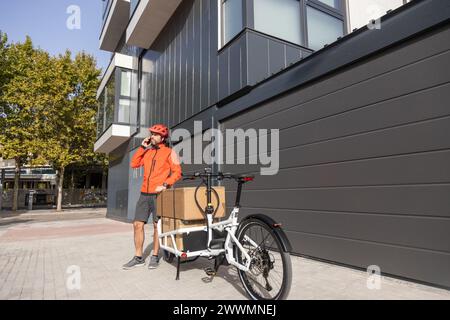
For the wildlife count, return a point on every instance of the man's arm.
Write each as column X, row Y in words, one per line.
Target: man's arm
column 138, row 158
column 175, row 169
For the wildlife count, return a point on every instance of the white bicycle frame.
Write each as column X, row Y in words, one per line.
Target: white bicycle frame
column 230, row 226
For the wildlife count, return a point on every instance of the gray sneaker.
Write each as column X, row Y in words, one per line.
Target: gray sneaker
column 133, row 263
column 154, row 262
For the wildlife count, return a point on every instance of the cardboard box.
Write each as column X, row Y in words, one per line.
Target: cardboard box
column 197, row 240
column 179, row 203
column 167, row 225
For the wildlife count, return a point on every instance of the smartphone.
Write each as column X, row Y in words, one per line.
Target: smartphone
column 147, row 141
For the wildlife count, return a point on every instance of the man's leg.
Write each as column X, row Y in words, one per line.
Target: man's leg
column 137, row 260
column 154, row 259
column 138, row 237
column 155, row 239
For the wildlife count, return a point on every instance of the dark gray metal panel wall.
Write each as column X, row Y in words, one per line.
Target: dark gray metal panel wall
column 117, row 203
column 135, row 177
column 190, row 74
column 268, row 56
column 196, row 163
column 364, row 162
column 253, row 57
column 185, row 59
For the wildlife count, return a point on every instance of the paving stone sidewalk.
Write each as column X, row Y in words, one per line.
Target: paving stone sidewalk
column 40, row 254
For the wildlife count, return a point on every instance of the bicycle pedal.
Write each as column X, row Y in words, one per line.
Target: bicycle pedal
column 210, row 272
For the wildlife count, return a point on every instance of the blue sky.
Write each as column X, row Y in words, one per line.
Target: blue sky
column 45, row 22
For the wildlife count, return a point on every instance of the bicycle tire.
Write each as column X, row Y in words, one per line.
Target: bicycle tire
column 168, row 256
column 246, row 277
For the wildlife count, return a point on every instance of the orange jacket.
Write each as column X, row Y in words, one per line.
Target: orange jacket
column 161, row 165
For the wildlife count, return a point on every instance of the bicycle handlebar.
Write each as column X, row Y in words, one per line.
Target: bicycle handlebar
column 206, row 180
column 219, row 176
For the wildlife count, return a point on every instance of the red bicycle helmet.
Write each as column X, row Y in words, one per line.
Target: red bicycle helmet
column 160, row 129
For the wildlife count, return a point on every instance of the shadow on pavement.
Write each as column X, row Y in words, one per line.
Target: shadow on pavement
column 227, row 273
column 13, row 221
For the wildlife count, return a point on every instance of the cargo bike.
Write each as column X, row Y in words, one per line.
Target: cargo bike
column 256, row 246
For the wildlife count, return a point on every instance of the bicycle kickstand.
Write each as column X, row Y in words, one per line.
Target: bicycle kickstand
column 178, row 268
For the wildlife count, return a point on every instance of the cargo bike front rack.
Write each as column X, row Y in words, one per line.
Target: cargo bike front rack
column 257, row 246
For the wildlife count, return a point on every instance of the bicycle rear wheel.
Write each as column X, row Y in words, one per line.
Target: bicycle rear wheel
column 270, row 273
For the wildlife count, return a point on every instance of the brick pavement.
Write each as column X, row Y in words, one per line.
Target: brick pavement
column 36, row 256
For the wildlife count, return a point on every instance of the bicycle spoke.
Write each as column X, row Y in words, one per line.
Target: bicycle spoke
column 266, row 276
column 261, row 233
column 268, row 234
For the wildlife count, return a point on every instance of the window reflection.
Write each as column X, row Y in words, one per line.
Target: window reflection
column 108, row 112
column 322, row 28
column 331, row 3
column 280, row 18
column 232, row 19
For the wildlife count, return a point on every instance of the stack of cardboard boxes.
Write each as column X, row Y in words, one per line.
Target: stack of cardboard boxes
column 178, row 210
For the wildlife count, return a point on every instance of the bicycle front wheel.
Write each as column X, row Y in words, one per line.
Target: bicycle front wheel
column 168, row 256
column 270, row 273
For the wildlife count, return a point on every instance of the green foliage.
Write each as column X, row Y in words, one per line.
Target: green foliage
column 4, row 68
column 18, row 99
column 49, row 105
column 68, row 120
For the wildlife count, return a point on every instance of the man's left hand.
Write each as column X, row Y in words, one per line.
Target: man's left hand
column 160, row 189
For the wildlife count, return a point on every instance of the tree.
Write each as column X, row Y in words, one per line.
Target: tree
column 47, row 109
column 4, row 64
column 21, row 93
column 67, row 133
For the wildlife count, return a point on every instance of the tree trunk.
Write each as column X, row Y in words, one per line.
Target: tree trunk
column 72, row 186
column 88, row 180
column 60, row 189
column 104, row 176
column 16, row 185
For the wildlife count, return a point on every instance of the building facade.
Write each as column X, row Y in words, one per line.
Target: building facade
column 362, row 116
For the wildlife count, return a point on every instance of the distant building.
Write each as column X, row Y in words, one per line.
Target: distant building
column 43, row 179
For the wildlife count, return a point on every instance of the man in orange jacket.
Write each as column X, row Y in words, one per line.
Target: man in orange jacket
column 161, row 170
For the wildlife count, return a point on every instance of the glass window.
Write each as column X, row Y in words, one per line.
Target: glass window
column 125, row 96
column 106, row 6
column 100, row 113
column 331, row 3
column 280, row 18
column 105, row 10
column 124, row 111
column 107, row 99
column 125, row 83
column 362, row 11
column 322, row 28
column 232, row 19
column 109, row 102
column 133, row 5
